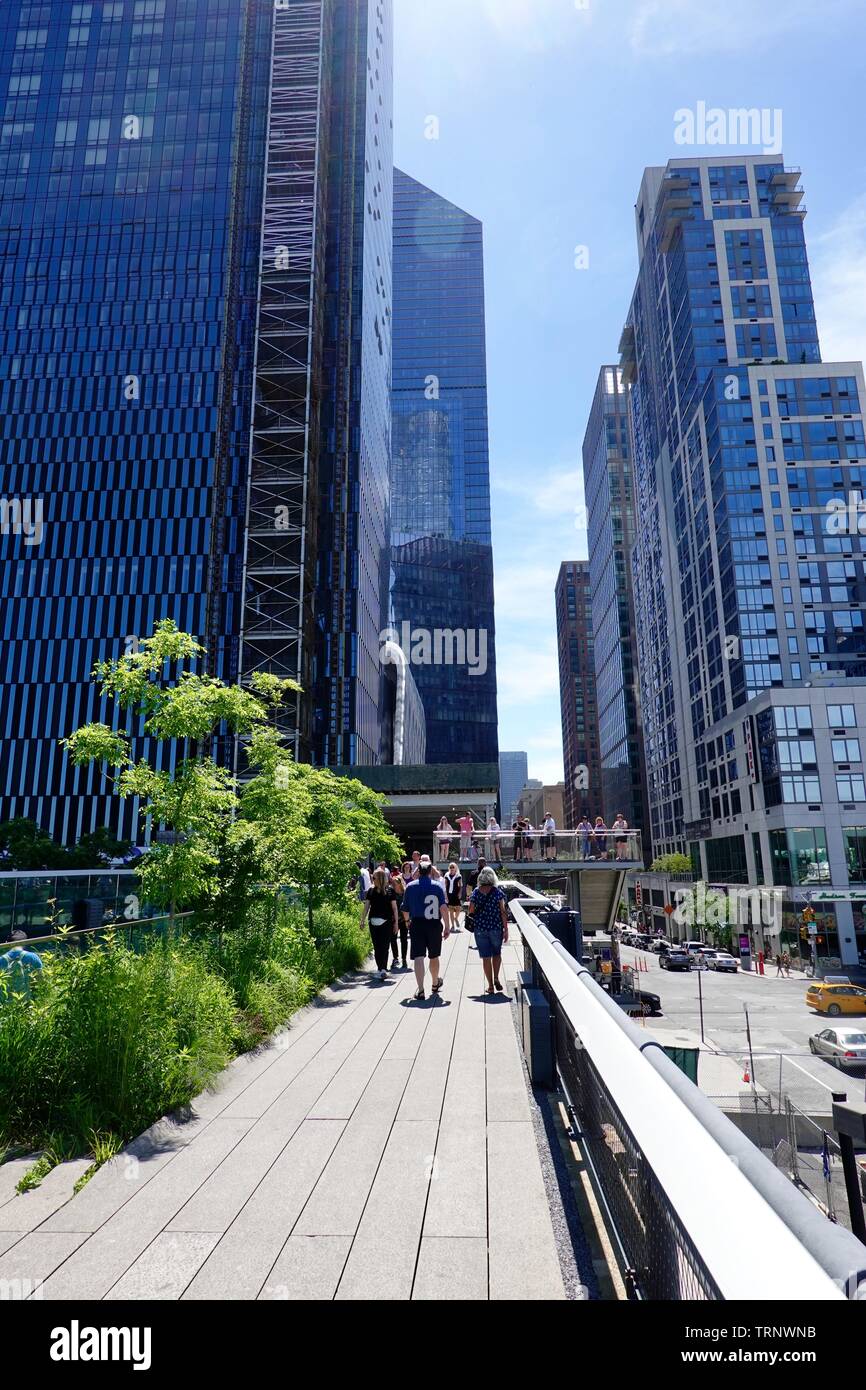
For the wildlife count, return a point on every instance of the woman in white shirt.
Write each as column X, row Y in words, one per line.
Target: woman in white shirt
column 493, row 828
column 549, row 829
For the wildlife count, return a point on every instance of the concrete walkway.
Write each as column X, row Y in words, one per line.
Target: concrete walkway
column 377, row 1149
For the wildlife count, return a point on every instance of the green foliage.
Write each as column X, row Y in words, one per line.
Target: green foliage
column 114, row 1039
column 109, row 1041
column 671, row 864
column 25, row 846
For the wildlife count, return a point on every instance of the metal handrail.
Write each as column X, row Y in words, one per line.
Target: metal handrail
column 67, row 934
column 767, row 1240
column 562, row 838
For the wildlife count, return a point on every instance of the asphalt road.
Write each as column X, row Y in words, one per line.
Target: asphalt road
column 781, row 1023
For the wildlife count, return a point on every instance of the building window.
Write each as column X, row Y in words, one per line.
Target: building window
column 855, row 852
column 841, row 717
column 850, row 786
column 846, row 750
column 802, row 789
column 799, row 856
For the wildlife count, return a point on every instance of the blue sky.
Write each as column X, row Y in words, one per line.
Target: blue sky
column 548, row 112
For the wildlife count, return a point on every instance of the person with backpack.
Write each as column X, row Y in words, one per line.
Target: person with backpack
column 426, row 908
column 454, row 893
column 380, row 910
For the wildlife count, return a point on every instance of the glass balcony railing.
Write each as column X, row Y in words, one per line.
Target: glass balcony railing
column 596, row 846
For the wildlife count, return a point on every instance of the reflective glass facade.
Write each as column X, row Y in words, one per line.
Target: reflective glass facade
column 128, row 248
column 441, row 551
column 749, row 567
column 608, row 489
column 180, row 451
column 577, row 693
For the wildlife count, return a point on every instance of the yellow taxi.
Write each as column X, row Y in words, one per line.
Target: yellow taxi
column 836, row 999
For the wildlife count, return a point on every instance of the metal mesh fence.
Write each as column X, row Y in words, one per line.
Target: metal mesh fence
column 662, row 1262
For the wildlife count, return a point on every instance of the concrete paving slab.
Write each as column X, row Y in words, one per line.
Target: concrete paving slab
column 8, row 1239
column 335, row 1207
column 35, row 1256
column 29, row 1209
column 381, row 1263
column 451, row 1268
column 11, row 1174
column 110, row 1251
column 309, row 1268
column 243, row 1260
column 166, row 1267
column 524, row 1263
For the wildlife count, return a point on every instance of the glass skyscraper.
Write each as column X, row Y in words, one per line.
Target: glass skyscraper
column 609, row 491
column 749, row 579
column 575, row 644
column 441, row 551
column 195, row 237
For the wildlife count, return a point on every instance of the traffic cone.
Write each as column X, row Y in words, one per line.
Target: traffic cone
column 746, row 1076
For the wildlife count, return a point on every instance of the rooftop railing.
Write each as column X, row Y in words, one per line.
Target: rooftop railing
column 534, row 846
column 695, row 1209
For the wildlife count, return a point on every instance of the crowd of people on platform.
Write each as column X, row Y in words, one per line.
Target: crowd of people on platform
column 593, row 840
column 411, row 908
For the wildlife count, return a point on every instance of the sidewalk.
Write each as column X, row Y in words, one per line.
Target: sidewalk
column 376, row 1149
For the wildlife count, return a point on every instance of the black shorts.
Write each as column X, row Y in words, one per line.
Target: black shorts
column 425, row 938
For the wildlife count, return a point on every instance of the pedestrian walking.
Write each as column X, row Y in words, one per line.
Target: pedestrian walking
column 454, row 893
column 467, row 826
column 416, row 860
column 444, row 836
column 401, row 930
column 619, row 839
column 490, row 921
column 786, row 964
column 18, row 966
column 778, row 963
column 381, row 914
column 493, row 832
column 426, row 908
column 363, row 885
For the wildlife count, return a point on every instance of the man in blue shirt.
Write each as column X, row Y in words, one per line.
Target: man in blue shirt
column 16, row 967
column 426, row 907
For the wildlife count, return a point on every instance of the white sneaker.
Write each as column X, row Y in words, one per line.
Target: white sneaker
column 383, row 974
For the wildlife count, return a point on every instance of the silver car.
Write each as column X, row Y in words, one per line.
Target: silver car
column 846, row 1047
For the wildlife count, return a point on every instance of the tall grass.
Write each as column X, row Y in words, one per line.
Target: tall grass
column 112, row 1039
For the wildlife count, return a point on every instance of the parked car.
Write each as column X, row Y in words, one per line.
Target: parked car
column 844, row 1046
column 675, row 960
column 836, row 999
column 660, row 945
column 722, row 960
column 639, row 1002
column 694, row 946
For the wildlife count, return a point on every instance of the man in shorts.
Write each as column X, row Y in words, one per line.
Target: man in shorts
column 426, row 907
column 490, row 919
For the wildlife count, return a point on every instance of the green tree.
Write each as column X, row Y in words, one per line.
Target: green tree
column 23, row 845
column 196, row 802
column 671, row 864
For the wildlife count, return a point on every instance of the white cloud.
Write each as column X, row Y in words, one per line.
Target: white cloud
column 666, row 28
column 838, row 263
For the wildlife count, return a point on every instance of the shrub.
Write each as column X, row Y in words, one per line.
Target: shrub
column 109, row 1042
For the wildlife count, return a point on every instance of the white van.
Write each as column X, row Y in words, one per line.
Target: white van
column 693, row 947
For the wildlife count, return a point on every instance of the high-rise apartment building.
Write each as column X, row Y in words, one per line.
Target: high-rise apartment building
column 580, row 746
column 750, row 462
column 513, row 777
column 441, row 548
column 608, row 486
column 195, row 243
